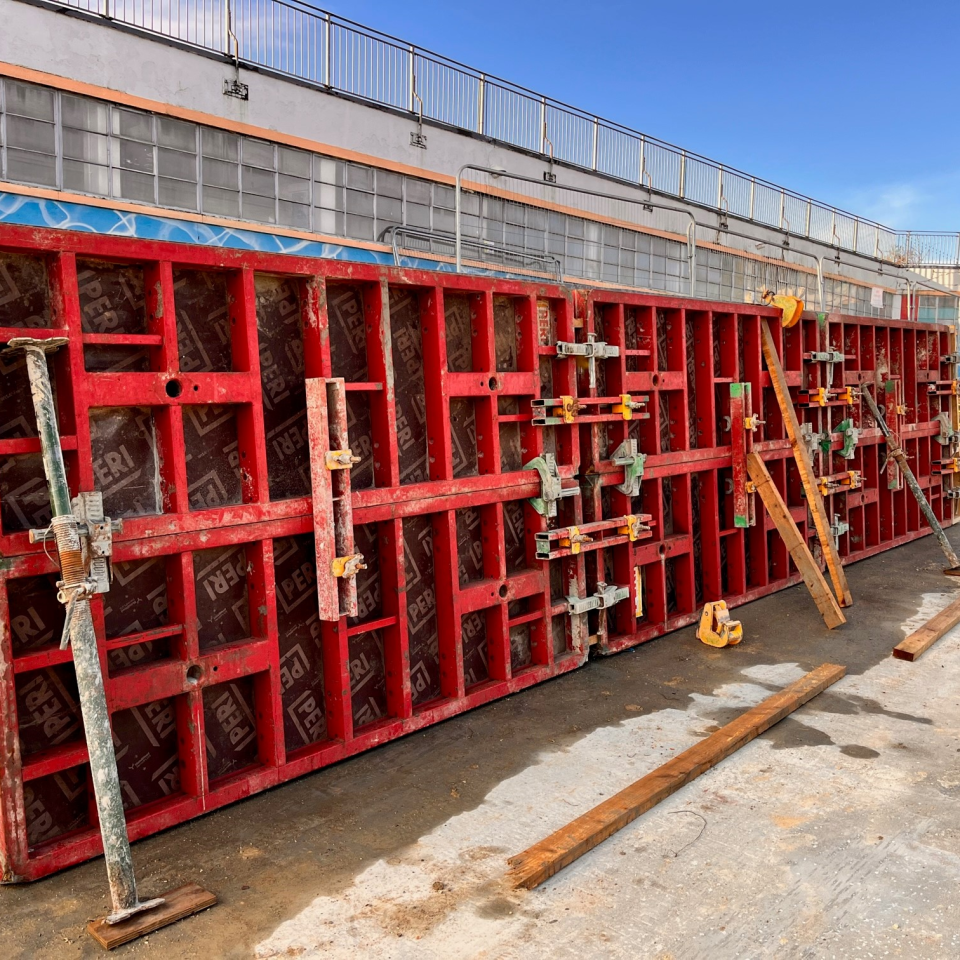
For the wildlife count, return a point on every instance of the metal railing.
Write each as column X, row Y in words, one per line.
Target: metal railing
column 294, row 39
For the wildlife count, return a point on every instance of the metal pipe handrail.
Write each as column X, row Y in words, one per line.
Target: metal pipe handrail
column 397, row 230
column 647, row 204
column 258, row 41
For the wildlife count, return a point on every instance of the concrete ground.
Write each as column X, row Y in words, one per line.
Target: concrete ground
column 836, row 834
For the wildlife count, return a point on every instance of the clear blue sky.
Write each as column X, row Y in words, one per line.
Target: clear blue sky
column 852, row 102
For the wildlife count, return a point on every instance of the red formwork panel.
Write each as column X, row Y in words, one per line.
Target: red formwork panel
column 191, row 393
column 686, row 356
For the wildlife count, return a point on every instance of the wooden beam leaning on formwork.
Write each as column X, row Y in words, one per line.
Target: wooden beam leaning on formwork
column 926, row 636
column 532, row 867
column 799, row 551
column 805, row 466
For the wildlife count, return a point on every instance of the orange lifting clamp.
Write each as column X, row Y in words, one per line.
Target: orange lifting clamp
column 716, row 628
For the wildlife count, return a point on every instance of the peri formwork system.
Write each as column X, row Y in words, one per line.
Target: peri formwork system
column 540, row 471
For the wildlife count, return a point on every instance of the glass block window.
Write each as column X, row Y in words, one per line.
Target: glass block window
column 87, row 146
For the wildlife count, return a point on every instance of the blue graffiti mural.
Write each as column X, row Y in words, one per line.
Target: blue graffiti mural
column 64, row 215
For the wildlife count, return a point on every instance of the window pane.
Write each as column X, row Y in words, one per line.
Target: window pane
column 293, row 188
column 78, row 145
column 328, row 171
column 224, row 203
column 83, row 114
column 220, row 174
column 177, row 193
column 360, row 228
column 135, row 126
column 26, row 100
column 86, row 178
column 259, row 182
column 31, row 135
column 177, row 134
column 389, row 184
column 133, row 186
column 223, row 146
column 361, row 203
column 388, row 209
column 418, row 191
column 259, row 208
column 258, row 153
column 329, row 222
column 295, row 215
column 135, row 156
column 326, row 195
column 294, row 162
column 31, row 167
column 360, row 178
column 172, row 163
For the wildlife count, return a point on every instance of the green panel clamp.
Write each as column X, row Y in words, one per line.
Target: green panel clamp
column 551, row 487
column 850, row 435
column 626, row 456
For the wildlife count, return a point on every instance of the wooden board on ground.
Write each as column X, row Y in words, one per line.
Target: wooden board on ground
column 926, row 636
column 799, row 551
column 532, row 867
column 178, row 903
column 805, row 466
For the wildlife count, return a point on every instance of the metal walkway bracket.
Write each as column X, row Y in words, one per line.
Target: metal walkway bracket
column 828, row 396
column 593, row 350
column 607, row 595
column 626, row 456
column 551, row 486
column 556, row 411
column 840, row 482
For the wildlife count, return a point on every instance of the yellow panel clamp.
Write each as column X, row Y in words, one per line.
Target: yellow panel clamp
column 790, row 307
column 716, row 628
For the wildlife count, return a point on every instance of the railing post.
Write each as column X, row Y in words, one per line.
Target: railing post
column 543, row 125
column 643, row 158
column 481, row 96
column 411, row 81
column 683, row 174
column 753, row 190
column 783, row 203
column 596, row 141
column 806, row 229
column 326, row 50
column 956, row 259
column 856, row 234
column 720, row 187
